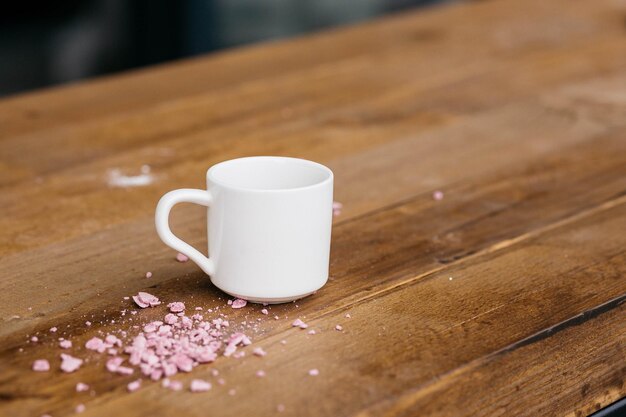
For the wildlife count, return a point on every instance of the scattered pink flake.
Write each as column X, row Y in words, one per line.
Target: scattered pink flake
column 144, row 299
column 311, row 331
column 112, row 340
column 46, row 415
column 173, row 385
column 199, row 385
column 170, row 318
column 80, row 408
column 231, row 392
column 264, row 311
column 314, row 372
column 34, row 339
column 259, row 352
column 53, row 329
column 221, row 381
column 87, row 323
column 229, row 302
column 348, row 315
column 70, row 363
column 337, row 206
column 114, row 363
column 338, row 327
column 260, row 373
column 65, row 344
column 148, row 274
column 438, row 195
column 239, row 303
column 41, row 365
column 299, row 323
column 280, row 408
column 139, row 302
column 276, row 317
column 82, row 387
column 181, row 258
column 176, row 307
column 283, row 342
column 95, row 343
column 134, row 386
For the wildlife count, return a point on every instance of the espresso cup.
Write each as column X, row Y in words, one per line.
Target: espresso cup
column 269, row 225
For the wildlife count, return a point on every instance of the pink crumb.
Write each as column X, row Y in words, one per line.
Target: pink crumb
column 259, row 352
column 280, row 408
column 299, row 323
column 70, row 363
column 239, row 303
column 231, row 392
column 34, row 339
column 82, row 387
column 144, row 300
column 80, row 408
column 199, row 385
column 348, row 315
column 176, row 307
column 264, row 311
column 311, row 331
column 41, row 365
column 338, row 328
column 134, row 385
column 87, row 323
column 148, row 274
column 65, row 344
column 337, row 206
column 53, row 330
column 95, row 343
column 314, row 372
column 181, row 258
column 260, row 373
column 438, row 195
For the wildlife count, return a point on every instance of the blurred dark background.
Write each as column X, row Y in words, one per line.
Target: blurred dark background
column 53, row 42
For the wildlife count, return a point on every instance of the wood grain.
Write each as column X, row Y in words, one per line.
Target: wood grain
column 522, row 128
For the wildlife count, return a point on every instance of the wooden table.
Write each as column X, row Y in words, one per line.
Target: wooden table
column 503, row 298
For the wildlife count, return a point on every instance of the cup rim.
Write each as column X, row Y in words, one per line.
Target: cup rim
column 210, row 175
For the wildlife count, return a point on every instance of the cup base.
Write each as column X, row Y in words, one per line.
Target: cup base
column 278, row 300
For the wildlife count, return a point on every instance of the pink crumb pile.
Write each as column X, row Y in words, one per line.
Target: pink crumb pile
column 163, row 348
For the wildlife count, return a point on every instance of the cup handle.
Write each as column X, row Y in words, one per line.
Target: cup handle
column 161, row 219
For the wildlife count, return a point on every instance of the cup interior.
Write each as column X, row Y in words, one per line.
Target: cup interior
column 269, row 173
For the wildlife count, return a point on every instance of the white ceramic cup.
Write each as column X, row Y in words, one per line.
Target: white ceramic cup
column 269, row 225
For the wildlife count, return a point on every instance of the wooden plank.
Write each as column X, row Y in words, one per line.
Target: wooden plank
column 511, row 134
column 585, row 354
